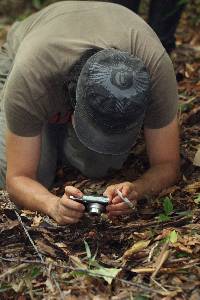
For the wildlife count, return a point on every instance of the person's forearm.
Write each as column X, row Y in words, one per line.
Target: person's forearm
column 156, row 179
column 28, row 193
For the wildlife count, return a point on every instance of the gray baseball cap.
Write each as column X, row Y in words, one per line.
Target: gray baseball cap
column 112, row 96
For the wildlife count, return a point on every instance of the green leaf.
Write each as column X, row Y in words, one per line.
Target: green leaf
column 93, row 268
column 141, row 297
column 79, row 273
column 163, row 218
column 184, row 107
column 94, row 256
column 108, row 274
column 181, row 254
column 87, row 249
column 37, row 4
column 173, row 236
column 35, row 271
column 197, row 199
column 137, row 247
column 167, row 206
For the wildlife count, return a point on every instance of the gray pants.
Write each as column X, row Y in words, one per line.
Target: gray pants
column 2, row 151
column 5, row 66
column 59, row 143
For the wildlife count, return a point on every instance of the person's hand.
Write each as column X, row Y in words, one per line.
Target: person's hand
column 67, row 211
column 117, row 206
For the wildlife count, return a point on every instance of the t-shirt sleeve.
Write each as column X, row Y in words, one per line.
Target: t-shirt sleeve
column 24, row 106
column 18, row 120
column 164, row 95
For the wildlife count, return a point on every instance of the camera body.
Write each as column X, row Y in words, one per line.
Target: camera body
column 94, row 205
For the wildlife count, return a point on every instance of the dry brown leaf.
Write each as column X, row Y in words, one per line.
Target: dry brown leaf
column 166, row 232
column 196, row 161
column 187, row 240
column 195, row 295
column 182, row 248
column 8, row 225
column 152, row 269
column 137, row 247
column 44, row 248
column 161, row 259
column 49, row 285
column 63, row 247
column 77, row 262
column 27, row 213
column 18, row 287
column 193, row 188
column 36, row 221
column 193, row 226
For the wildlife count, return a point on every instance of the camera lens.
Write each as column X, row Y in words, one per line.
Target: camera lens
column 95, row 209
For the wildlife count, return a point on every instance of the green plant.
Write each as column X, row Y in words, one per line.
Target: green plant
column 172, row 237
column 197, row 199
column 37, row 3
column 93, row 268
column 168, row 209
column 181, row 254
column 141, row 297
column 185, row 107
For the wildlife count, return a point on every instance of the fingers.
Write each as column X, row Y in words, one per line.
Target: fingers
column 69, row 211
column 116, row 200
column 126, row 189
column 73, row 191
column 110, row 191
column 66, row 201
column 118, row 207
column 76, row 209
column 69, row 204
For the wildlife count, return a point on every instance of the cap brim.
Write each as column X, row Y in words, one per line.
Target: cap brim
column 95, row 139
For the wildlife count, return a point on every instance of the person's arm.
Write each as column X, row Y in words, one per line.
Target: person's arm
column 163, row 152
column 23, row 154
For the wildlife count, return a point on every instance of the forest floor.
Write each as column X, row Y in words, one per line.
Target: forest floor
column 152, row 254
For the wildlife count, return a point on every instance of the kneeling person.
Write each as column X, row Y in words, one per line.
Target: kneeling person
column 78, row 87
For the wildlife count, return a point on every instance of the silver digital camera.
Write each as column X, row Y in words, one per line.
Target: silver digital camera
column 94, row 205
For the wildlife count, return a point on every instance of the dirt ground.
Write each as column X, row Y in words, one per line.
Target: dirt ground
column 143, row 256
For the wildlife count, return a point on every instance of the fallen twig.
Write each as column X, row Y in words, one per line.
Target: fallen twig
column 13, row 270
column 151, row 252
column 51, row 276
column 140, row 286
column 161, row 259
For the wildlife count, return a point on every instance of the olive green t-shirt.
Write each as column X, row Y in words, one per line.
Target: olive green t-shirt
column 44, row 46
